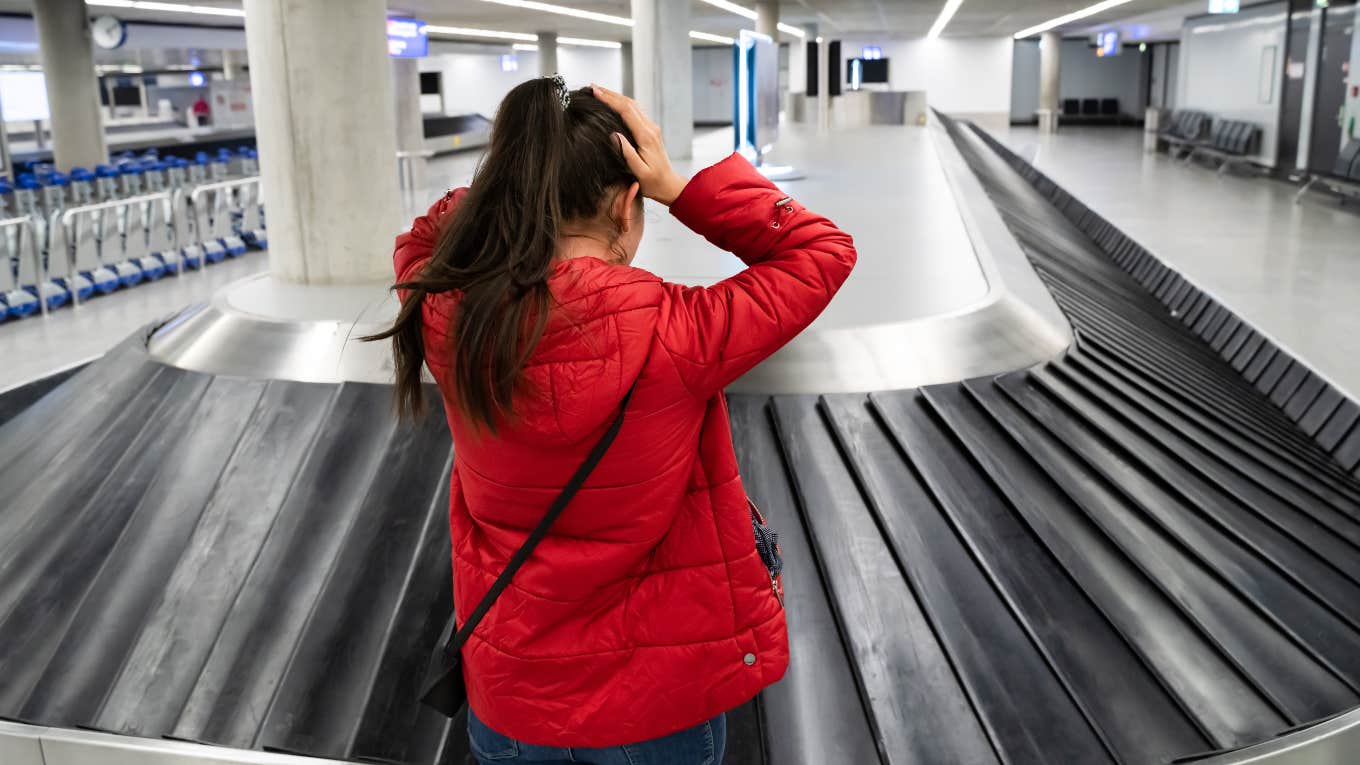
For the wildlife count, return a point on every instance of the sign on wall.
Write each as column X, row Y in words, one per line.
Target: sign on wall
column 407, row 38
column 1107, row 44
column 1225, row 6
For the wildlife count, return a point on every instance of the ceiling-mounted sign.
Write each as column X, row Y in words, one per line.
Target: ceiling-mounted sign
column 1225, row 6
column 407, row 38
column 1107, row 44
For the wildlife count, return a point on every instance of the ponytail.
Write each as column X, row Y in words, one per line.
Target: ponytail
column 552, row 158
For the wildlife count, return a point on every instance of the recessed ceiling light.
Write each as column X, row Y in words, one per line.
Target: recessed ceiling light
column 946, row 13
column 1070, row 17
column 524, row 46
column 790, row 29
column 492, row 34
column 711, row 38
column 147, row 5
column 563, row 10
column 589, row 43
column 733, row 8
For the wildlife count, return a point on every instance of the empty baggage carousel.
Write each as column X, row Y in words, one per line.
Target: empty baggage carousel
column 1142, row 551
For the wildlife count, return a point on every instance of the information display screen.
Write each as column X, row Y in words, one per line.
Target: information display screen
column 1107, row 44
column 23, row 96
column 407, row 38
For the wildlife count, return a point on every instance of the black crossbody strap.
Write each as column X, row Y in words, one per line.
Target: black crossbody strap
column 541, row 530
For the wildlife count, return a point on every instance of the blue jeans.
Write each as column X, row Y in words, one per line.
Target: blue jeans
column 701, row 745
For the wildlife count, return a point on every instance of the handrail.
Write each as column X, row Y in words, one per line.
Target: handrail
column 70, row 217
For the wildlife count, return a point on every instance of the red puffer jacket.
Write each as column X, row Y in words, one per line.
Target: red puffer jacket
column 646, row 610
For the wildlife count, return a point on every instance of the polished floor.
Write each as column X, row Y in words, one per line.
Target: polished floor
column 1292, row 271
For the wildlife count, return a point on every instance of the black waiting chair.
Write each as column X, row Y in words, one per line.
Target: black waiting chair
column 1090, row 107
column 1109, row 107
column 1344, row 178
column 1229, row 141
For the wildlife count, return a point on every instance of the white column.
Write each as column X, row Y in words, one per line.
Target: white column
column 767, row 18
column 627, row 53
column 547, row 54
column 67, row 56
column 1050, row 46
column 663, row 72
column 327, row 137
column 410, row 120
column 823, row 85
column 231, row 63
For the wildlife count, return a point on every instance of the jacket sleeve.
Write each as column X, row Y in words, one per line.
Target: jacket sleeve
column 796, row 261
column 415, row 247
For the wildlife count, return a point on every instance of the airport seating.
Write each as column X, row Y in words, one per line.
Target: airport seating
column 1187, row 128
column 1230, row 142
column 1344, row 180
column 1091, row 111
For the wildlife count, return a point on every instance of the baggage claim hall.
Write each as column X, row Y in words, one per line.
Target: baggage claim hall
column 1067, row 472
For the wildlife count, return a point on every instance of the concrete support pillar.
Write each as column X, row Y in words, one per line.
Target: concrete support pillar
column 1050, row 46
column 67, row 56
column 231, row 63
column 327, row 137
column 410, row 120
column 767, row 18
column 1310, row 74
column 547, row 54
column 823, row 85
column 798, row 59
column 664, row 72
column 628, row 86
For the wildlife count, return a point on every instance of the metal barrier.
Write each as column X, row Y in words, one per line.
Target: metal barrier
column 224, row 215
column 406, row 168
column 117, row 236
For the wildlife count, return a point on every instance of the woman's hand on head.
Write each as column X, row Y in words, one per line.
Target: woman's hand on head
column 649, row 162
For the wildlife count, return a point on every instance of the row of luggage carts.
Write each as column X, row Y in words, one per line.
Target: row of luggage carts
column 69, row 237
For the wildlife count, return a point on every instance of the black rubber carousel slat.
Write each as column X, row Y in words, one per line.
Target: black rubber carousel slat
column 250, row 657
column 21, row 397
column 1320, row 410
column 815, row 714
column 917, row 709
column 164, row 663
column 1250, row 611
column 1023, row 706
column 1334, row 510
column 47, row 577
column 321, row 698
column 1205, row 683
column 1136, row 716
column 1339, row 424
column 1201, row 502
column 168, row 505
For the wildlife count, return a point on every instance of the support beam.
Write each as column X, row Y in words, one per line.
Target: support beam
column 231, row 63
column 67, row 56
column 767, row 18
column 410, row 120
column 1050, row 46
column 628, row 86
column 547, row 54
column 663, row 72
column 327, row 136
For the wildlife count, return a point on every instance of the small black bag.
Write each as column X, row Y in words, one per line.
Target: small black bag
column 444, row 688
column 767, row 547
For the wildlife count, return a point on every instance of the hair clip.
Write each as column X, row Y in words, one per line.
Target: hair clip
column 563, row 94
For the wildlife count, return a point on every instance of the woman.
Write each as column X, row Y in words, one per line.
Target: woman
column 646, row 612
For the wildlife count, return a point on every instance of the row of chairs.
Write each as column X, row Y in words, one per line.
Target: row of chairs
column 85, row 234
column 1344, row 178
column 1194, row 134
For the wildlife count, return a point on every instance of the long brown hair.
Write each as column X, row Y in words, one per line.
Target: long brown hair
column 552, row 158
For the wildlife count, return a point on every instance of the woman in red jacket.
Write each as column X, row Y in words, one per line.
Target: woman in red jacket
column 646, row 612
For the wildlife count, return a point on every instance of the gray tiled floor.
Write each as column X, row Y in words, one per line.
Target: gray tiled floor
column 1292, row 271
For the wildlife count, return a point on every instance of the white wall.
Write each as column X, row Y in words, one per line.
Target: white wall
column 473, row 80
column 969, row 76
column 714, row 89
column 1082, row 75
column 1232, row 67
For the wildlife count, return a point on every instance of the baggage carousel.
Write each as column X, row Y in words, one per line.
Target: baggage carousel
column 1118, row 526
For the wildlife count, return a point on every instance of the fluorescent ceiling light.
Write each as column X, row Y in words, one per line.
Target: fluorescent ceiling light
column 146, row 5
column 589, row 43
column 946, row 13
column 733, row 8
column 1069, row 18
column 491, row 34
column 563, row 10
column 524, row 46
column 790, row 29
column 711, row 38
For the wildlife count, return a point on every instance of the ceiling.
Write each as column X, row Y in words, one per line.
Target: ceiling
column 880, row 19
